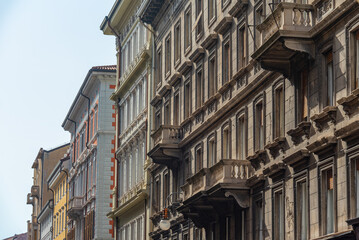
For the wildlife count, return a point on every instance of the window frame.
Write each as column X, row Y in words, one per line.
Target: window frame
column 242, row 46
column 199, row 100
column 159, row 70
column 278, row 188
column 198, row 162
column 280, row 84
column 187, row 29
column 259, row 100
column 188, row 98
column 212, row 19
column 210, row 138
column 177, row 43
column 227, row 69
column 226, row 127
column 300, row 178
column 242, row 114
column 168, row 54
column 212, row 56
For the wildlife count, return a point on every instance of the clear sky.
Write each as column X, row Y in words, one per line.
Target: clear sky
column 46, row 50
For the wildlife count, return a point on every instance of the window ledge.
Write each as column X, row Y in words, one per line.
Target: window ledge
column 156, row 99
column 322, row 145
column 210, row 40
column 260, row 156
column 350, row 103
column 348, row 132
column 297, row 159
column 176, row 77
column 303, row 129
column 224, row 25
column 327, row 115
column 275, row 171
column 185, row 67
column 278, row 143
column 238, row 9
column 197, row 54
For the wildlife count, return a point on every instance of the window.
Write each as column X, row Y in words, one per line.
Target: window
column 187, row 29
column 187, row 168
column 258, row 126
column 212, row 150
column 212, row 73
column 157, row 194
column 226, row 142
column 226, row 69
column 228, row 228
column 327, row 201
column 258, row 19
column 354, row 185
column 199, row 158
column 199, row 87
column 258, row 220
column 199, row 19
column 211, row 11
column 91, row 125
column 166, row 188
column 176, row 109
column 329, row 101
column 158, row 79
column 187, row 98
column 242, row 46
column 278, row 112
column 241, row 138
column 278, row 217
column 302, row 96
column 301, row 210
column 356, row 60
column 177, row 42
column 168, row 55
column 167, row 112
column 158, row 118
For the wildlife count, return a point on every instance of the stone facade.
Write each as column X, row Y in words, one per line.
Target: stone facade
column 91, row 178
column 254, row 119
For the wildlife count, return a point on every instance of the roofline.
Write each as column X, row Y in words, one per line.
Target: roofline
column 56, row 169
column 56, row 148
column 80, row 91
column 110, row 15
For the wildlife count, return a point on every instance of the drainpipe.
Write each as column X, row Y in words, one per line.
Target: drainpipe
column 74, row 140
column 67, row 178
column 88, row 118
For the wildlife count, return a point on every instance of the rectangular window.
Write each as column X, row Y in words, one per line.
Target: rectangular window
column 166, row 188
column 258, row 19
column 278, row 215
column 187, row 98
column 176, row 109
column 158, row 118
column 157, row 195
column 168, row 55
column 212, row 151
column 158, row 79
column 258, row 220
column 356, row 65
column 259, row 126
column 199, row 159
column 211, row 11
column 301, row 210
column 330, row 79
column 357, row 186
column 187, row 29
column 177, row 43
column 212, row 74
column 187, row 167
column 302, row 93
column 226, row 142
column 226, row 60
column 167, row 112
column 327, row 201
column 279, row 112
column 199, row 19
column 199, row 87
column 242, row 47
column 241, row 138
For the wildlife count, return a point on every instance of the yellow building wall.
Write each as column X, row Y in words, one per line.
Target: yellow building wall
column 59, row 224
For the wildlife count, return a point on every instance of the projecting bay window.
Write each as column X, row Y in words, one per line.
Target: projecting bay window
column 226, row 53
column 211, row 11
column 226, row 141
column 278, row 217
column 242, row 46
column 167, row 112
column 329, row 88
column 259, row 126
column 176, row 109
column 302, row 96
column 212, row 150
column 198, row 158
column 327, row 200
column 187, row 29
column 212, row 73
column 187, row 97
column 301, row 209
column 241, row 137
column 199, row 18
column 158, row 79
column 258, row 220
column 177, row 43
column 199, row 87
column 168, row 55
column 278, row 111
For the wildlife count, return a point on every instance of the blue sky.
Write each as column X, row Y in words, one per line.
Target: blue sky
column 46, row 49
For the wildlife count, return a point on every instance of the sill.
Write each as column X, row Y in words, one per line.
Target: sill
column 224, row 25
column 350, row 103
column 277, row 144
column 323, row 145
column 188, row 50
column 275, row 171
column 167, row 74
column 156, row 100
column 303, row 129
column 225, row 5
column 200, row 35
column 260, row 156
column 239, row 8
column 327, row 115
column 210, row 100
column 212, row 21
column 224, row 87
column 210, row 41
column 197, row 54
column 185, row 122
column 185, row 67
column 177, row 63
column 176, row 77
column 348, row 132
column 298, row 159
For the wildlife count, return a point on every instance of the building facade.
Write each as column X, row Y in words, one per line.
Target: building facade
column 45, row 221
column 90, row 121
column 40, row 195
column 254, row 119
column 131, row 190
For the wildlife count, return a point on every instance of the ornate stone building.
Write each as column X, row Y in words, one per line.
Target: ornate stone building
column 91, row 123
column 130, row 193
column 254, row 119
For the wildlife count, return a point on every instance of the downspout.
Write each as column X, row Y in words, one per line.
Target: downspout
column 88, row 118
column 67, row 178
column 74, row 140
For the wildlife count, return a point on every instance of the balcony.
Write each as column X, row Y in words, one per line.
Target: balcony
column 75, row 207
column 211, row 188
column 166, row 151
column 35, row 191
column 286, row 37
